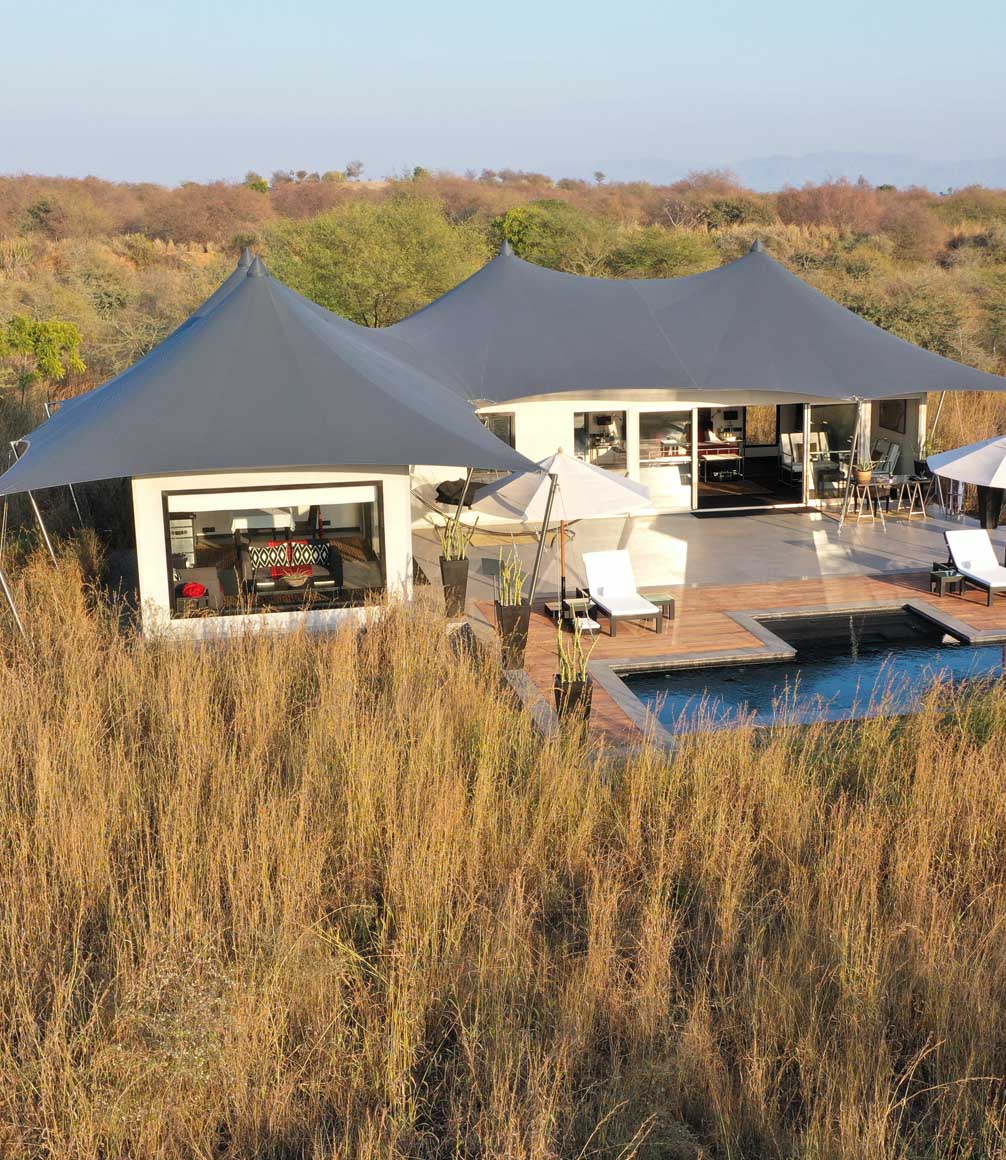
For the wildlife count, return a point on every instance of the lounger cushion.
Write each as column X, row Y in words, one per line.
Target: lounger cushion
column 626, row 606
column 973, row 555
column 612, row 585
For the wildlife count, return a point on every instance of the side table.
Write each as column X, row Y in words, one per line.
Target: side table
column 662, row 599
column 943, row 579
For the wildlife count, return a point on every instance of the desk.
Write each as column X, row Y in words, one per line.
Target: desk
column 908, row 491
column 730, row 463
column 866, row 499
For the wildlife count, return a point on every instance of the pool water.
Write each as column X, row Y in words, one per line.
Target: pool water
column 846, row 665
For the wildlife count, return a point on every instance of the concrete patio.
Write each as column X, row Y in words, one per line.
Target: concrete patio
column 689, row 551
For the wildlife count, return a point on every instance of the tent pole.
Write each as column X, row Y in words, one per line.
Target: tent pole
column 850, row 482
column 5, row 585
column 3, row 518
column 38, row 514
column 461, row 499
column 42, row 528
column 73, row 494
column 544, row 532
column 935, row 423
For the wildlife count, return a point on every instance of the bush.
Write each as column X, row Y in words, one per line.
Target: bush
column 654, row 252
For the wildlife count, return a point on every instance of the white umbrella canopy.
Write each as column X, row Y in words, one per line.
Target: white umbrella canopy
column 581, row 490
column 577, row 490
column 980, row 463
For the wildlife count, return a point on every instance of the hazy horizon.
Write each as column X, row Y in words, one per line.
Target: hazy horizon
column 194, row 92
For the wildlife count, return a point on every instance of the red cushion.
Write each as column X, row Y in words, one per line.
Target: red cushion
column 279, row 570
column 194, row 590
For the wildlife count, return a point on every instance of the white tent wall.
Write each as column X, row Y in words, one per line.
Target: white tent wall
column 543, row 425
column 149, row 503
column 911, row 440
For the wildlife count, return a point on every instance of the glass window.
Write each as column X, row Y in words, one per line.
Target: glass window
column 832, row 427
column 501, row 425
column 599, row 438
column 761, row 426
column 665, row 457
column 238, row 551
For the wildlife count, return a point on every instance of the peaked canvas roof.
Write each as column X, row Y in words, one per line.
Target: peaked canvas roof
column 514, row 330
column 258, row 377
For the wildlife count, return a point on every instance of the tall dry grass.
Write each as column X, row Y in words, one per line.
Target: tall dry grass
column 333, row 897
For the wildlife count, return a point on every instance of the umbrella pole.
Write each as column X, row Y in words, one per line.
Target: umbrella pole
column 562, row 563
column 461, row 500
column 553, row 484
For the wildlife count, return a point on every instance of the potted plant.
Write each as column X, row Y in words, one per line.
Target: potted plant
column 863, row 471
column 455, row 538
column 573, row 686
column 513, row 612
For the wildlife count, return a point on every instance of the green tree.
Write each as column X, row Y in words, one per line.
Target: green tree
column 256, row 181
column 41, row 351
column 556, row 234
column 656, row 252
column 377, row 262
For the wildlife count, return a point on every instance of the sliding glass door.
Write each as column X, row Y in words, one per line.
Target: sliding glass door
column 665, row 458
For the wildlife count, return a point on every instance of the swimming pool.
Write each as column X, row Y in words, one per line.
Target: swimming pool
column 846, row 665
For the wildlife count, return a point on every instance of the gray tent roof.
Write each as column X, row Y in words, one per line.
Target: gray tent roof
column 514, row 330
column 259, row 379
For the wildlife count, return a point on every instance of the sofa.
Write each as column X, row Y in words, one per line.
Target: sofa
column 264, row 568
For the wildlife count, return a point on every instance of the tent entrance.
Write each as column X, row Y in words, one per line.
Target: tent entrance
column 740, row 459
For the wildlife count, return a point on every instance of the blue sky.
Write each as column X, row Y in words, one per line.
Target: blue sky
column 195, row 90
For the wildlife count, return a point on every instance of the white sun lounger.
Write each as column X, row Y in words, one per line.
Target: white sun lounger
column 612, row 588
column 974, row 557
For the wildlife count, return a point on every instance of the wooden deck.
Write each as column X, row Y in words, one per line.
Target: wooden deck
column 705, row 624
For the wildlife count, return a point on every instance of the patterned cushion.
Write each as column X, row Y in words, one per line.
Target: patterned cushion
column 274, row 556
column 309, row 552
column 289, row 557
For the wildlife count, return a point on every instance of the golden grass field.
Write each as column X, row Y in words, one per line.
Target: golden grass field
column 334, row 897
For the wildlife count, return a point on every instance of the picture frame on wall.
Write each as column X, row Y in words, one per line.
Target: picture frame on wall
column 893, row 415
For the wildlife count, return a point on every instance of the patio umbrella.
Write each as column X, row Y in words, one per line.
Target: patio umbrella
column 984, row 465
column 566, row 489
column 979, row 463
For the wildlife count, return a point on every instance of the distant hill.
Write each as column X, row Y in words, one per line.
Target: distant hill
column 770, row 173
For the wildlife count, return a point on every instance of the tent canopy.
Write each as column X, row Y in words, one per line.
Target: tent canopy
column 515, row 330
column 258, row 377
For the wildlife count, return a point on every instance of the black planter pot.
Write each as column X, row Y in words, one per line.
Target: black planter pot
column 512, row 621
column 572, row 699
column 990, row 503
column 454, row 574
